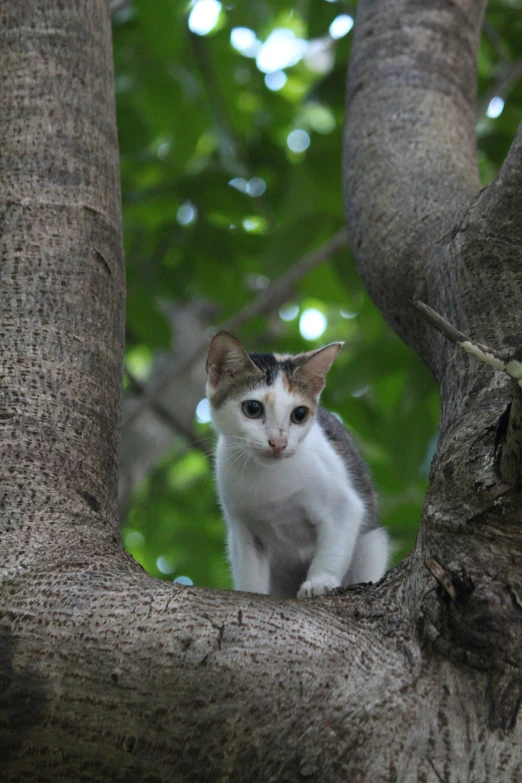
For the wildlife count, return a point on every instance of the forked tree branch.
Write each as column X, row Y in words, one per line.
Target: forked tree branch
column 340, row 688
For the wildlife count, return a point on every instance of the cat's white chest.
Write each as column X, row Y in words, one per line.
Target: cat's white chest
column 273, row 501
column 282, row 523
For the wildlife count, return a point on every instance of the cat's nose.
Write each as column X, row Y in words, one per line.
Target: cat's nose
column 278, row 445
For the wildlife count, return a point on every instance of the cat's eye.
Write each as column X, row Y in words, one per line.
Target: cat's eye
column 252, row 408
column 299, row 415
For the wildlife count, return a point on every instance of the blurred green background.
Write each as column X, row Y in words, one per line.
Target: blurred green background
column 230, row 125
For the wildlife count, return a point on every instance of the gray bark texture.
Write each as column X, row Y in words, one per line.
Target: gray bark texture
column 108, row 675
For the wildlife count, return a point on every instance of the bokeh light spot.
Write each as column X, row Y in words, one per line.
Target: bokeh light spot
column 165, row 565
column 186, row 214
column 204, row 16
column 341, row 26
column 203, row 411
column 298, row 140
column 276, row 80
column 312, row 323
column 495, row 107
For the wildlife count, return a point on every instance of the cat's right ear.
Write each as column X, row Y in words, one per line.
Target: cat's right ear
column 226, row 358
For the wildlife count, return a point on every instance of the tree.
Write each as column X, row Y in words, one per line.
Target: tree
column 416, row 678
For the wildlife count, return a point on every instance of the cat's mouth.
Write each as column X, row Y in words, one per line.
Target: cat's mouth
column 271, row 456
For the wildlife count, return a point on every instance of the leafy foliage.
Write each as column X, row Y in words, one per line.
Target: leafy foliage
column 217, row 205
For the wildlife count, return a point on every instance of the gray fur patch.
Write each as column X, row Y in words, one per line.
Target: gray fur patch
column 345, row 446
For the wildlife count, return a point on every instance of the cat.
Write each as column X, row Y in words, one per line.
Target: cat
column 296, row 494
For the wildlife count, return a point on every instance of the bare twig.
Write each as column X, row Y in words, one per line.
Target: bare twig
column 509, row 431
column 510, row 365
column 442, row 575
column 457, row 586
column 171, row 419
column 271, row 298
column 281, row 290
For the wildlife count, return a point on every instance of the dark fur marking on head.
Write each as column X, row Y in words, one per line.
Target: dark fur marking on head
column 271, row 367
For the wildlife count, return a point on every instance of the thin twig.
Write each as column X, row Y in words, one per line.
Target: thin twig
column 281, row 290
column 509, row 428
column 170, row 419
column 457, row 586
column 442, row 575
column 274, row 296
column 509, row 365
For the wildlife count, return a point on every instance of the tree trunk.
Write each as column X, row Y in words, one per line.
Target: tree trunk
column 108, row 675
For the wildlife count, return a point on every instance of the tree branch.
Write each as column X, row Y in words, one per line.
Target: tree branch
column 410, row 164
column 171, row 420
column 283, row 289
column 421, row 229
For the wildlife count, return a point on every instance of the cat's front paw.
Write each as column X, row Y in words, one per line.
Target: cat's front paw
column 317, row 586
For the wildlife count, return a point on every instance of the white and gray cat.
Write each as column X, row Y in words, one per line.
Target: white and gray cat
column 296, row 494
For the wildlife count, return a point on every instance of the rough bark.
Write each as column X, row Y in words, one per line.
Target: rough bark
column 109, row 675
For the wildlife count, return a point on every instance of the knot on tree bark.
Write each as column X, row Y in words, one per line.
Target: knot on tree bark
column 476, row 620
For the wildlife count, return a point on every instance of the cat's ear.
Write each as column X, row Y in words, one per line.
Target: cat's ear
column 316, row 365
column 226, row 358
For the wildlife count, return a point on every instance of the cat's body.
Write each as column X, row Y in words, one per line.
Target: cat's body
column 296, row 494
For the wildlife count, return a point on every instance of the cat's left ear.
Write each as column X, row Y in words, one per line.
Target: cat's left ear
column 226, row 358
column 313, row 370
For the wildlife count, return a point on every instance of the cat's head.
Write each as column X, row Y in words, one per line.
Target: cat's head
column 266, row 401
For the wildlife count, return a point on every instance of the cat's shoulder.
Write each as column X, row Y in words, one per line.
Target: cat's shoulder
column 343, row 443
column 333, row 428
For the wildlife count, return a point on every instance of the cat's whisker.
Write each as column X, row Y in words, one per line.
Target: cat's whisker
column 237, row 457
column 206, row 439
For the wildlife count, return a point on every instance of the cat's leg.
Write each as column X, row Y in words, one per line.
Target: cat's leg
column 250, row 566
column 370, row 559
column 338, row 522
